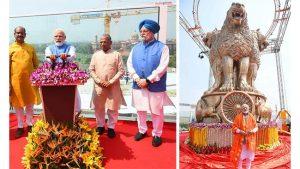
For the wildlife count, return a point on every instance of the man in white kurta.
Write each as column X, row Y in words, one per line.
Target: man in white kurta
column 106, row 68
column 61, row 51
column 147, row 65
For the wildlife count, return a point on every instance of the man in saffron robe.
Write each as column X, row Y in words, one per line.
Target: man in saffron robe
column 147, row 65
column 62, row 51
column 23, row 61
column 106, row 69
column 244, row 141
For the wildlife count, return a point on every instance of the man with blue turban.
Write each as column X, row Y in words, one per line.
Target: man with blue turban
column 147, row 65
column 150, row 25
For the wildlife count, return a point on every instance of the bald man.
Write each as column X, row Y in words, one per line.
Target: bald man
column 106, row 68
column 23, row 61
column 61, row 51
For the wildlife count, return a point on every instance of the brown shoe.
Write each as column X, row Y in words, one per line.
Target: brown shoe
column 20, row 132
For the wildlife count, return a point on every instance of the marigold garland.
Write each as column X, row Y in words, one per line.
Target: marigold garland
column 58, row 146
column 205, row 138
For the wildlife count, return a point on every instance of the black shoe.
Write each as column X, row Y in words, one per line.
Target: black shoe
column 20, row 132
column 156, row 141
column 111, row 133
column 139, row 136
column 29, row 129
column 100, row 130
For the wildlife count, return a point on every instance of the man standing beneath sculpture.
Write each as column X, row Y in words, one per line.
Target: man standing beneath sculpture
column 23, row 61
column 59, row 52
column 244, row 142
column 147, row 65
column 106, row 68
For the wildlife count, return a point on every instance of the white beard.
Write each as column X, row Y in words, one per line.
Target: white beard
column 59, row 43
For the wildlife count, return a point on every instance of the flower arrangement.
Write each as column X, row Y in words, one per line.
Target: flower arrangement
column 211, row 149
column 211, row 125
column 58, row 74
column 267, row 137
column 266, row 147
column 59, row 146
column 205, row 138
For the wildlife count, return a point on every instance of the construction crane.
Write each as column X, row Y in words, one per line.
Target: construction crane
column 115, row 14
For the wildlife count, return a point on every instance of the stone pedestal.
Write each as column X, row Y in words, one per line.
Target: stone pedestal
column 219, row 107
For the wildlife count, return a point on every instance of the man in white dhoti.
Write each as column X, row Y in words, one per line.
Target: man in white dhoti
column 147, row 66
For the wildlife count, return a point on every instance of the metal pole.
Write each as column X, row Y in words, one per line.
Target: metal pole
column 163, row 20
column 280, row 81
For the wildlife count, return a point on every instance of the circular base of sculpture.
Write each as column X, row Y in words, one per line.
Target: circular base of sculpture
column 221, row 106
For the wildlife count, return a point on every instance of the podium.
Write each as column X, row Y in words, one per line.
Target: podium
column 58, row 87
column 59, row 103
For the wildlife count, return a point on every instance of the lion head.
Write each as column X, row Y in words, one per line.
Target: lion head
column 262, row 40
column 236, row 16
column 210, row 38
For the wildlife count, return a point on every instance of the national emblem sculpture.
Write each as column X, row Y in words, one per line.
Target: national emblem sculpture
column 234, row 57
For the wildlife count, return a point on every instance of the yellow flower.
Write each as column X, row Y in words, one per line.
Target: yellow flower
column 85, row 126
column 26, row 162
column 88, row 159
column 81, row 140
column 93, row 146
column 95, row 136
column 39, row 126
column 87, row 136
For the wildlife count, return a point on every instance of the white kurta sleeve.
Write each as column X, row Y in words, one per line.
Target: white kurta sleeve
column 130, row 68
column 47, row 54
column 254, row 130
column 238, row 130
column 72, row 53
column 162, row 67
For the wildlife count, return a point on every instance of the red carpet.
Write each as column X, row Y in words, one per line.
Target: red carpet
column 120, row 152
column 279, row 158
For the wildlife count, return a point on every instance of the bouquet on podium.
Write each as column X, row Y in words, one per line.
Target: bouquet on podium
column 59, row 75
column 60, row 140
column 58, row 83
